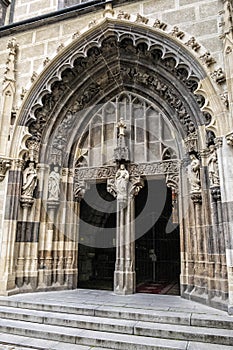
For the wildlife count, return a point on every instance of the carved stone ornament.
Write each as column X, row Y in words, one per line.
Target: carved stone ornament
column 141, row 19
column 196, row 197
column 79, row 190
column 172, row 181
column 229, row 138
column 227, row 20
column 191, row 143
column 9, row 74
column 216, row 193
column 142, row 169
column 177, row 33
column 218, row 76
column 92, row 23
column 193, row 44
column 207, row 59
column 123, row 15
column 60, row 47
column 76, row 35
column 159, row 24
column 33, row 150
column 5, row 164
column 225, row 99
column 34, row 76
column 46, row 61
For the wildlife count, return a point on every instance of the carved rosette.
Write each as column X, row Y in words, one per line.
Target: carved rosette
column 5, row 164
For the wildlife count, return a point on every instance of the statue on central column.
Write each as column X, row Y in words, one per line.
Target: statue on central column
column 121, row 182
column 124, row 187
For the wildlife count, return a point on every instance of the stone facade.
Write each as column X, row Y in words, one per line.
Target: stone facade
column 67, row 80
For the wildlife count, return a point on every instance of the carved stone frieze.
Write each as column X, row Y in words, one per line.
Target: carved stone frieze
column 142, row 169
column 5, row 164
column 207, row 59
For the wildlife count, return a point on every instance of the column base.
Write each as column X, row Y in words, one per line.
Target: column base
column 124, row 282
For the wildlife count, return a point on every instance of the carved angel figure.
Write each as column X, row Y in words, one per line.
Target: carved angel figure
column 29, row 181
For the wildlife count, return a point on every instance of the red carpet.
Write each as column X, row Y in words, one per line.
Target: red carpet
column 155, row 288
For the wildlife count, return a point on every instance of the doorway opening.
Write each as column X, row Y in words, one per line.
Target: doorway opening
column 97, row 239
column 158, row 249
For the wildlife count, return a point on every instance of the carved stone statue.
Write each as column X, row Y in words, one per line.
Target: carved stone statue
column 54, row 184
column 213, row 167
column 29, row 181
column 121, row 183
column 121, row 151
column 195, row 174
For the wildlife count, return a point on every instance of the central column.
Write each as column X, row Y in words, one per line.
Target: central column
column 124, row 187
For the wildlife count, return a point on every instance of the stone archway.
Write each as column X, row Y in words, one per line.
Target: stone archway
column 112, row 59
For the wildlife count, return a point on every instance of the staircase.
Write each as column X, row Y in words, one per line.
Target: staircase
column 45, row 325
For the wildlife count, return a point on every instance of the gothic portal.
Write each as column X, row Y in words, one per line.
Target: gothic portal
column 123, row 108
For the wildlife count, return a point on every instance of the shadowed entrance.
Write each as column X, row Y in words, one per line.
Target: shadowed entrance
column 158, row 250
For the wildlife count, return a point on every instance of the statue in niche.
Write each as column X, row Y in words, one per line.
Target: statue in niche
column 29, row 181
column 121, row 183
column 213, row 167
column 195, row 174
column 54, row 184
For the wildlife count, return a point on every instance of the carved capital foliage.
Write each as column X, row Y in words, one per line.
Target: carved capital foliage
column 5, row 164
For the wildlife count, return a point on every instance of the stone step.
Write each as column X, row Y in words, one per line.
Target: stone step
column 127, row 313
column 28, row 322
column 26, row 343
column 88, row 337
